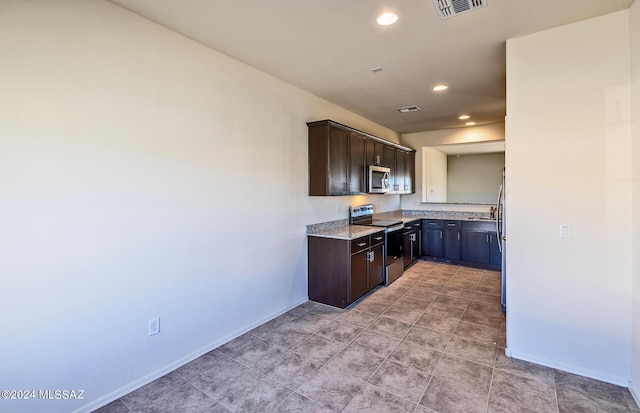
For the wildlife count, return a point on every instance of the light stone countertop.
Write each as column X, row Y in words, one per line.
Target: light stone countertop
column 342, row 230
column 346, row 232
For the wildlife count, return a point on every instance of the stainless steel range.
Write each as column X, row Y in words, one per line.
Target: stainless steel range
column 394, row 267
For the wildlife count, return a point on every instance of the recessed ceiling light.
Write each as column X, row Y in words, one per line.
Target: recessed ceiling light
column 386, row 19
column 440, row 88
column 470, row 123
column 464, row 117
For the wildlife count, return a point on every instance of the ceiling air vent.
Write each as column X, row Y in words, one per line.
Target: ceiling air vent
column 450, row 8
column 408, row 109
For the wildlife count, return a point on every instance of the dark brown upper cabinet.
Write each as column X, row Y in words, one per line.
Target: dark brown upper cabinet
column 339, row 156
column 375, row 152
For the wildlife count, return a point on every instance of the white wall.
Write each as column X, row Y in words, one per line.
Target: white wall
column 475, row 178
column 420, row 140
column 141, row 175
column 635, row 145
column 434, row 178
column 569, row 162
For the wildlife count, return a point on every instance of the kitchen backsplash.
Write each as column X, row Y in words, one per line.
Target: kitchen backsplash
column 407, row 213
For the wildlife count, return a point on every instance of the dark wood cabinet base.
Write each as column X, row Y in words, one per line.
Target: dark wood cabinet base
column 342, row 271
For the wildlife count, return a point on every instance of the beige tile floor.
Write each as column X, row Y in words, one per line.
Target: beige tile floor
column 433, row 341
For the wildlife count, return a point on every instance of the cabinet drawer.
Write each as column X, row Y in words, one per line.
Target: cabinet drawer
column 377, row 238
column 451, row 225
column 413, row 225
column 360, row 244
column 432, row 223
column 478, row 226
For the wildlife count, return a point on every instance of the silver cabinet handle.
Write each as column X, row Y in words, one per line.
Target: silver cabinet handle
column 377, row 238
column 362, row 244
column 451, row 225
column 440, row 234
column 416, row 225
column 458, row 236
column 372, row 256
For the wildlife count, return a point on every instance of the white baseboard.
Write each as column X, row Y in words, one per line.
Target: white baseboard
column 635, row 392
column 128, row 388
column 619, row 381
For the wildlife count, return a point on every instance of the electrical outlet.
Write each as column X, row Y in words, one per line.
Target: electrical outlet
column 154, row 326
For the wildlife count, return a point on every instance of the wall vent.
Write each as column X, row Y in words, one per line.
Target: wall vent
column 450, row 8
column 408, row 109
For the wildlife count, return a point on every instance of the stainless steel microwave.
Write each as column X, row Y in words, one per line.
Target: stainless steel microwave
column 378, row 179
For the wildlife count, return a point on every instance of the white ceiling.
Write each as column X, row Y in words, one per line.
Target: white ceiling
column 471, row 148
column 328, row 47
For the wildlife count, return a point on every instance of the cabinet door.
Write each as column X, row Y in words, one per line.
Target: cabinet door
column 358, row 285
column 357, row 152
column 376, row 266
column 432, row 243
column 375, row 152
column 407, row 244
column 338, row 161
column 410, row 169
column 412, row 242
column 451, row 245
column 390, row 161
column 495, row 256
column 417, row 243
column 475, row 246
column 399, row 175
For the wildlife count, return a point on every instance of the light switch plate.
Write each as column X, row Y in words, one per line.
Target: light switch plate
column 565, row 230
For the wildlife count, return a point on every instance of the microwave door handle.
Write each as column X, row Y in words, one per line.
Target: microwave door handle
column 385, row 179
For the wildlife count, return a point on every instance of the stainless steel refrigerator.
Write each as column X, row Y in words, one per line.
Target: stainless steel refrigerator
column 501, row 230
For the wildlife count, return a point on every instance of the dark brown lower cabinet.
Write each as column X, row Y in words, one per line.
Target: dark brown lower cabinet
column 451, row 240
column 412, row 241
column 472, row 243
column 341, row 271
column 359, row 270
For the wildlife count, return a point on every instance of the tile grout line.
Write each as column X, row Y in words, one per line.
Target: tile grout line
column 417, row 404
column 433, row 374
column 378, row 316
column 415, row 281
column 391, row 352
